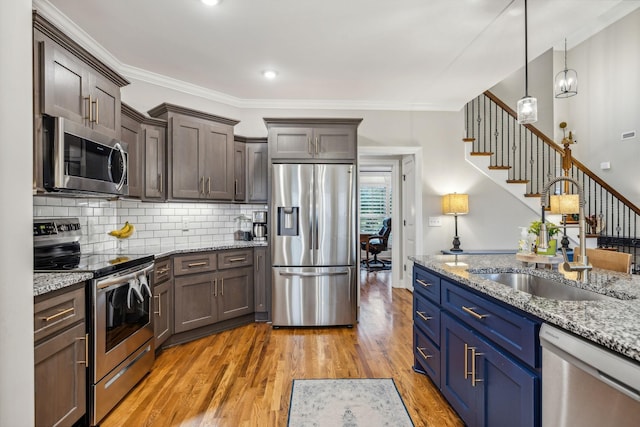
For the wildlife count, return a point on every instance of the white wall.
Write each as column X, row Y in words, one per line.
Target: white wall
column 511, row 89
column 16, row 268
column 608, row 104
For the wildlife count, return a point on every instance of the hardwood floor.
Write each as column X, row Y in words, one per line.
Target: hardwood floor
column 243, row 377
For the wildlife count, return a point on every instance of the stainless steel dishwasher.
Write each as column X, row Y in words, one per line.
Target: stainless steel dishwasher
column 586, row 385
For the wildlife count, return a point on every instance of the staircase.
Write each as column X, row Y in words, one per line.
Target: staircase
column 521, row 159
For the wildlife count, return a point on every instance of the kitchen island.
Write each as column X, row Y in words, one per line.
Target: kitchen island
column 614, row 323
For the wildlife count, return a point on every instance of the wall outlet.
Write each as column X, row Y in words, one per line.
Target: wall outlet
column 185, row 225
column 605, row 166
column 435, row 221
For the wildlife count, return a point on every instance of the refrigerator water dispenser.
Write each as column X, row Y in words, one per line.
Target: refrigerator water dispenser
column 288, row 221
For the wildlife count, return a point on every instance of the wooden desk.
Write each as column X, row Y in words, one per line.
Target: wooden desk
column 364, row 238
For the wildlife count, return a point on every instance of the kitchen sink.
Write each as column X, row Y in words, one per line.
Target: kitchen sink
column 542, row 287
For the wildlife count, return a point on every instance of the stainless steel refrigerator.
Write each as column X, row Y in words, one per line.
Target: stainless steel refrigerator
column 313, row 245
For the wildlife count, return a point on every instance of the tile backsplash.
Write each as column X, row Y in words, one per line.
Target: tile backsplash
column 157, row 224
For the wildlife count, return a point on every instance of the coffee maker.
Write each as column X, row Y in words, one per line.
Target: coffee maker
column 260, row 226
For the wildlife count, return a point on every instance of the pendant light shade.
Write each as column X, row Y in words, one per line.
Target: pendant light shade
column 527, row 110
column 527, row 107
column 566, row 81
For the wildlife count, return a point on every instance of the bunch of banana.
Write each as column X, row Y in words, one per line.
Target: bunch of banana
column 126, row 231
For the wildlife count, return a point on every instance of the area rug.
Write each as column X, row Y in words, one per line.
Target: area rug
column 347, row 403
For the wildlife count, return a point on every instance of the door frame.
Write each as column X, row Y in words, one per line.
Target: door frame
column 380, row 156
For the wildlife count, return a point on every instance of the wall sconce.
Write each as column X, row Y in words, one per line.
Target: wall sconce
column 455, row 204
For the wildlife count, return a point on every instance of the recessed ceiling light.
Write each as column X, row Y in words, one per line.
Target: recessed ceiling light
column 211, row 2
column 269, row 74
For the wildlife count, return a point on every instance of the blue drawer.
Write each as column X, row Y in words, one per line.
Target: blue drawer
column 515, row 333
column 426, row 316
column 426, row 356
column 426, row 283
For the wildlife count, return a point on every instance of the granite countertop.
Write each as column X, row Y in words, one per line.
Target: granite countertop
column 613, row 323
column 164, row 251
column 47, row 282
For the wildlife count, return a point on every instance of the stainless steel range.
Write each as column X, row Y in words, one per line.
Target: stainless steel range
column 118, row 304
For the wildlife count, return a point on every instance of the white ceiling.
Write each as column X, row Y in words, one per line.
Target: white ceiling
column 365, row 54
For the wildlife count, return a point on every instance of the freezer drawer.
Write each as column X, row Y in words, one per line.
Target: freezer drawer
column 309, row 296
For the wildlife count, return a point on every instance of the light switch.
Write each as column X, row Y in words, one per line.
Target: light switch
column 605, row 166
column 435, row 221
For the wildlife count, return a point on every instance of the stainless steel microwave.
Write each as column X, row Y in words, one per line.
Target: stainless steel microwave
column 78, row 159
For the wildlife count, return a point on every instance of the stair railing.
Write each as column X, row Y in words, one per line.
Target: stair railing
column 532, row 158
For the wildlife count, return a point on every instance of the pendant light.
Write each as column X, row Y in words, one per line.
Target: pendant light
column 566, row 82
column 527, row 107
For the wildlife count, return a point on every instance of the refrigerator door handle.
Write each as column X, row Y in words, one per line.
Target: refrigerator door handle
column 332, row 273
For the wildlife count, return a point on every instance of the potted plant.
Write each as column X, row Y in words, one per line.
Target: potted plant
column 552, row 230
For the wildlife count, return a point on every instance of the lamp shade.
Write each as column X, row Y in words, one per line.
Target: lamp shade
column 565, row 204
column 455, row 204
column 527, row 109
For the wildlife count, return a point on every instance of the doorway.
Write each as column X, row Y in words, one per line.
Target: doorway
column 406, row 210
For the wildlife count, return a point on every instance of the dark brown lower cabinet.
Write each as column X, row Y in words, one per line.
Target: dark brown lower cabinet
column 162, row 312
column 206, row 298
column 60, row 359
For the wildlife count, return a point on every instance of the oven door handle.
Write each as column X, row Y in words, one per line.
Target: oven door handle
column 115, row 280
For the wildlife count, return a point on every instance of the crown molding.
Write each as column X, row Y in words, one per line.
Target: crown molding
column 82, row 38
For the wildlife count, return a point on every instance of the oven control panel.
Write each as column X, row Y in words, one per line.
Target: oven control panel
column 64, row 228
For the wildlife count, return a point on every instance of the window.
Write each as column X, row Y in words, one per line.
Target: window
column 375, row 200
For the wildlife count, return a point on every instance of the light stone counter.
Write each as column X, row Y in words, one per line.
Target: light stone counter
column 614, row 323
column 48, row 282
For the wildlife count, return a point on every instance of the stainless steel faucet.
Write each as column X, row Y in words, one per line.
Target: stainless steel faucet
column 583, row 267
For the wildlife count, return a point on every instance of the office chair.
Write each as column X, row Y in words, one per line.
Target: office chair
column 376, row 244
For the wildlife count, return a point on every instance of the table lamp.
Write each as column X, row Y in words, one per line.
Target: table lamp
column 455, row 204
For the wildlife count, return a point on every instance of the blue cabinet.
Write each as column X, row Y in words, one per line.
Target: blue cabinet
column 484, row 385
column 483, row 354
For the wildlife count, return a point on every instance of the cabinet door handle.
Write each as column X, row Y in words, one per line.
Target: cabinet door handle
column 474, row 380
column 58, row 314
column 162, row 271
column 97, row 111
column 159, row 312
column 202, row 185
column 473, row 313
column 423, row 283
column 215, row 287
column 85, row 362
column 466, row 361
column 258, row 263
column 222, row 287
column 160, row 182
column 316, row 145
column 196, row 264
column 235, row 187
column 208, row 185
column 423, row 316
column 309, row 148
column 423, row 354
column 88, row 117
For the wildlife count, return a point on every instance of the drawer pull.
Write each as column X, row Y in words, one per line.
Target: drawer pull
column 473, row 313
column 163, row 271
column 423, row 354
column 237, row 259
column 466, row 361
column 196, row 264
column 423, row 316
column 58, row 314
column 423, row 283
column 474, row 380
